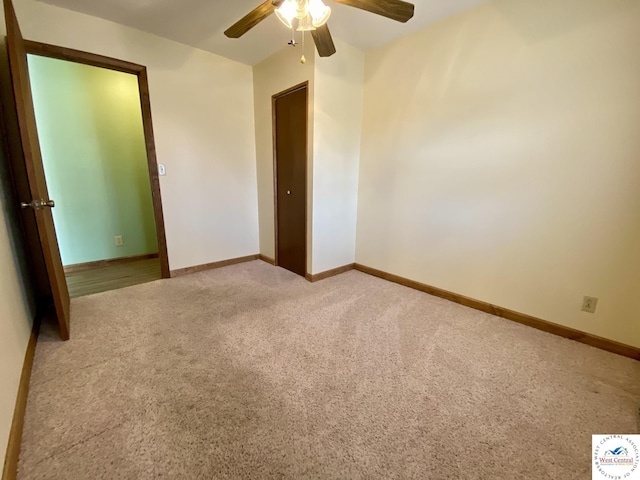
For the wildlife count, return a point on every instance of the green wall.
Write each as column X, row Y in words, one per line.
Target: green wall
column 90, row 127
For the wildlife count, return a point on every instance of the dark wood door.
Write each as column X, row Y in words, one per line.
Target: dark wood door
column 290, row 111
column 34, row 169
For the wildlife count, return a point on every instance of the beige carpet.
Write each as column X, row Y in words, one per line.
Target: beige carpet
column 251, row 372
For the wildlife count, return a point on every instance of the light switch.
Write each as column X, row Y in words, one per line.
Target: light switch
column 161, row 169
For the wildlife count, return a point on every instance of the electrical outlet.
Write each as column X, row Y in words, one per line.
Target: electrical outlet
column 589, row 304
column 119, row 241
column 161, row 169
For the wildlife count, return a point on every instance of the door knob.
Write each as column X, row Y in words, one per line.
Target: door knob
column 38, row 204
column 288, row 192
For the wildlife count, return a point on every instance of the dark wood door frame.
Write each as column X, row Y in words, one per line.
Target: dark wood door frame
column 78, row 56
column 300, row 86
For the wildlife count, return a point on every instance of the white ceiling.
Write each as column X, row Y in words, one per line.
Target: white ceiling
column 201, row 23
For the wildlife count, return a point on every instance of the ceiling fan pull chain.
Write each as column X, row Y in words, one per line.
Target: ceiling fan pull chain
column 293, row 37
column 303, row 60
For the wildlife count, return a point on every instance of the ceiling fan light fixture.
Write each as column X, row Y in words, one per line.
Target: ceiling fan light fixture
column 312, row 15
column 287, row 12
column 319, row 12
column 305, row 24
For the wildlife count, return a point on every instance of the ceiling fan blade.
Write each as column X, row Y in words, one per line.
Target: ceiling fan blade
column 393, row 9
column 253, row 18
column 324, row 42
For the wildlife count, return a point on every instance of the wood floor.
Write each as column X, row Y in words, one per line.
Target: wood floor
column 111, row 277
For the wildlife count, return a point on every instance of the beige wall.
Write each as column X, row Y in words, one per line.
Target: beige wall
column 338, row 121
column 16, row 305
column 501, row 160
column 273, row 75
column 202, row 106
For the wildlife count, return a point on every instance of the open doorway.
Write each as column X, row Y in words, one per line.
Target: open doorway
column 27, row 169
column 94, row 155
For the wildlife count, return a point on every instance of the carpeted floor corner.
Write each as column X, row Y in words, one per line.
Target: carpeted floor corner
column 251, row 372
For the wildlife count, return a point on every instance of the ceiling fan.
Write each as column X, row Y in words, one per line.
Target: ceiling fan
column 312, row 15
